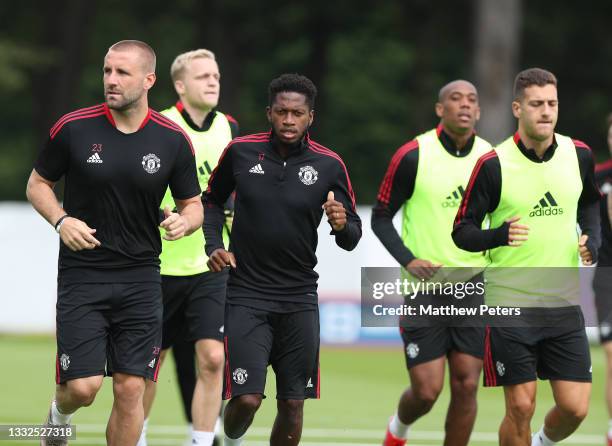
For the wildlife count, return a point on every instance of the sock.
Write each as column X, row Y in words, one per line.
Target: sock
column 142, row 441
column 540, row 439
column 397, row 428
column 218, row 426
column 610, row 428
column 202, row 438
column 57, row 417
column 227, row 441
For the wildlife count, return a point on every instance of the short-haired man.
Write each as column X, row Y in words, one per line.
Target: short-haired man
column 284, row 182
column 194, row 297
column 427, row 177
column 118, row 159
column 535, row 187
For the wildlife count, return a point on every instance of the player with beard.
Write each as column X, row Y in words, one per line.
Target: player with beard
column 117, row 159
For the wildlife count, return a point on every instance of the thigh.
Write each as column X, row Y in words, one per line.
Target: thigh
column 295, row 355
column 564, row 355
column 82, row 330
column 206, row 306
column 175, row 293
column 469, row 340
column 424, row 344
column 509, row 355
column 135, row 331
column 248, row 343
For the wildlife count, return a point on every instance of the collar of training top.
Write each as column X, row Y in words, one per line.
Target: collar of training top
column 210, row 117
column 295, row 148
column 531, row 154
column 451, row 147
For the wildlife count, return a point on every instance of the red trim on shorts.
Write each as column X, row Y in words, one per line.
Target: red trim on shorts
column 228, row 381
column 156, row 370
column 489, row 367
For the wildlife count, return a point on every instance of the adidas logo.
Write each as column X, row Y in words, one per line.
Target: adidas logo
column 152, row 363
column 454, row 199
column 546, row 206
column 309, row 383
column 95, row 158
column 257, row 169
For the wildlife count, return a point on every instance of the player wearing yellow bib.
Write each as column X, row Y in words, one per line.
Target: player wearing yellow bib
column 194, row 298
column 428, row 177
column 534, row 187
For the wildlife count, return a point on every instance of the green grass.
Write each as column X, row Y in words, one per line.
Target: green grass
column 359, row 388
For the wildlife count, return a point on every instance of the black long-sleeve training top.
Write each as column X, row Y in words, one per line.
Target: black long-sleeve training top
column 603, row 176
column 278, row 207
column 485, row 192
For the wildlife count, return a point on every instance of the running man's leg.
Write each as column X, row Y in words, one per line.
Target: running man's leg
column 127, row 415
column 464, row 371
column 515, row 429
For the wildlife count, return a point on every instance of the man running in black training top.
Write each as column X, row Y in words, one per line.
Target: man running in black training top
column 284, row 181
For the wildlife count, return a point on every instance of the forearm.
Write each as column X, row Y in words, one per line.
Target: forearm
column 387, row 234
column 470, row 237
column 213, row 227
column 193, row 213
column 590, row 224
column 43, row 199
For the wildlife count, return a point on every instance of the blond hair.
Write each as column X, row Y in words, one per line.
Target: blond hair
column 180, row 62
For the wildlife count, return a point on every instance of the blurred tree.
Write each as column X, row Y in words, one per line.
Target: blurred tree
column 378, row 65
column 495, row 59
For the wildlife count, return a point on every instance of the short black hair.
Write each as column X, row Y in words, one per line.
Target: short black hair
column 530, row 77
column 294, row 83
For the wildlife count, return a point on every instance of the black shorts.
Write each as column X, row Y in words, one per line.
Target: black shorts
column 516, row 355
column 108, row 327
column 424, row 344
column 602, row 287
column 195, row 305
column 255, row 338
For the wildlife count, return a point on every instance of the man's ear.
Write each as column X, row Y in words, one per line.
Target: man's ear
column 439, row 109
column 516, row 109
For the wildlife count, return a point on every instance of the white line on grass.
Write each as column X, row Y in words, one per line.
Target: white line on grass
column 316, row 433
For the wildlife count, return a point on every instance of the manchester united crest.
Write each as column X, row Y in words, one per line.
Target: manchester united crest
column 308, row 175
column 151, row 163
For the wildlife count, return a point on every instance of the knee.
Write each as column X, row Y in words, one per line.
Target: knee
column 83, row 392
column 128, row 389
column 248, row 403
column 464, row 387
column 427, row 395
column 521, row 409
column 211, row 360
column 575, row 413
column 292, row 410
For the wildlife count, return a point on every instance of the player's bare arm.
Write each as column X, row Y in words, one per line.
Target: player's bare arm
column 189, row 218
column 75, row 233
